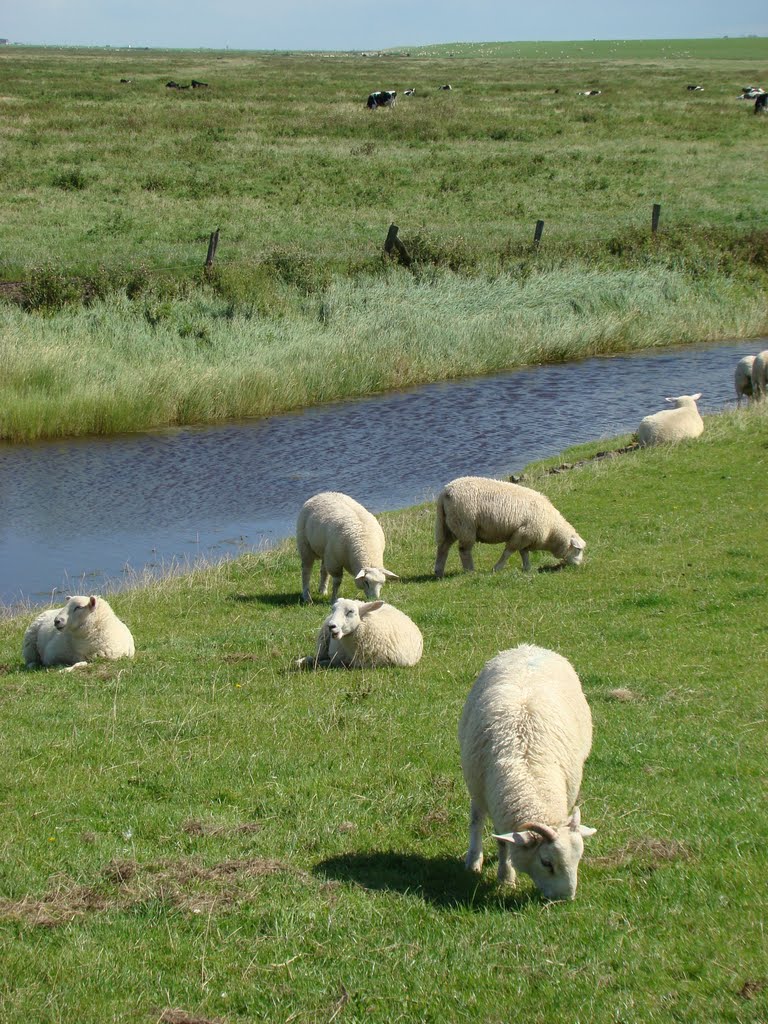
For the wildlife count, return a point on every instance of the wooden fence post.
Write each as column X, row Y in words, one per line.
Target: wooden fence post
column 213, row 244
column 538, row 232
column 655, row 218
column 393, row 242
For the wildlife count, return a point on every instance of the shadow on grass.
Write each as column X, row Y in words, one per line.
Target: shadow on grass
column 426, row 577
column 442, row 881
column 271, row 600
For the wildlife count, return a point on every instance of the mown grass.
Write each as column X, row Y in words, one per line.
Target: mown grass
column 206, row 830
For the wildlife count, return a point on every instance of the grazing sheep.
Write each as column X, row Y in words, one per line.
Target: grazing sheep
column 86, row 628
column 366, row 635
column 742, row 378
column 672, row 425
column 760, row 375
column 343, row 535
column 525, row 733
column 476, row 508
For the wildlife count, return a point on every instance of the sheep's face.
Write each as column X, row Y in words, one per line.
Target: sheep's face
column 371, row 581
column 553, row 865
column 575, row 553
column 75, row 613
column 346, row 615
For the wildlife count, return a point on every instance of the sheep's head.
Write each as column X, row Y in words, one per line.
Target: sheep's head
column 550, row 856
column 575, row 553
column 346, row 616
column 371, row 581
column 75, row 612
column 680, row 400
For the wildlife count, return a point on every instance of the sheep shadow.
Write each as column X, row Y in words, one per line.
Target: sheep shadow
column 442, row 881
column 271, row 600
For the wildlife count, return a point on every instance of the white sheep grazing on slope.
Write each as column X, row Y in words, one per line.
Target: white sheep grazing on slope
column 477, row 508
column 760, row 375
column 343, row 535
column 742, row 378
column 86, row 628
column 672, row 425
column 525, row 733
column 359, row 634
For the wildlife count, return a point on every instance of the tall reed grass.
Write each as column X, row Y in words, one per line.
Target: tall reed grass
column 121, row 365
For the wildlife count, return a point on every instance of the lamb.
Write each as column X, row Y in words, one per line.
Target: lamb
column 742, row 378
column 672, row 425
column 760, row 375
column 525, row 733
column 476, row 508
column 359, row 634
column 343, row 535
column 86, row 628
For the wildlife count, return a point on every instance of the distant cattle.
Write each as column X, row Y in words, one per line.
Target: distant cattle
column 751, row 92
column 382, row 98
column 199, row 85
column 125, row 81
column 409, row 92
column 591, row 92
column 695, row 88
column 446, row 88
column 172, row 85
column 761, row 103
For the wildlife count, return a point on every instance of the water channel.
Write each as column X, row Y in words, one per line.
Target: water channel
column 82, row 515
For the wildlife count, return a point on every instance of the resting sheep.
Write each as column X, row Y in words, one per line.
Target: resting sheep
column 86, row 628
column 759, row 375
column 525, row 733
column 672, row 425
column 366, row 635
column 343, row 535
column 476, row 508
column 742, row 378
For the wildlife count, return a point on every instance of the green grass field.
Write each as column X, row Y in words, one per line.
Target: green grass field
column 205, row 834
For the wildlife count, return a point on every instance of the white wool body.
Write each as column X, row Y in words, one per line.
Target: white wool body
column 85, row 629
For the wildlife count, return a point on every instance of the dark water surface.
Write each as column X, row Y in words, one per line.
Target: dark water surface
column 78, row 515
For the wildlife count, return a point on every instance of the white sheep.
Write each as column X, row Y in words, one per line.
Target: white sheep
column 476, row 508
column 343, row 535
column 760, row 375
column 86, row 628
column 672, row 425
column 525, row 733
column 742, row 378
column 366, row 635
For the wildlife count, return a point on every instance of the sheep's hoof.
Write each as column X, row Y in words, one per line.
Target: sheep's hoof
column 475, row 865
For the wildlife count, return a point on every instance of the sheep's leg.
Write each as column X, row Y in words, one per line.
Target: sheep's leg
column 336, row 585
column 503, row 560
column 526, row 559
column 506, row 872
column 306, row 572
column 442, row 555
column 323, row 579
column 465, row 554
column 474, row 861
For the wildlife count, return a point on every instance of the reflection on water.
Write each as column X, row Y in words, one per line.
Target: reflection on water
column 74, row 514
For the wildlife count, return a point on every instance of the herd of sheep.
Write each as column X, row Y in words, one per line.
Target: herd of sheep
column 526, row 728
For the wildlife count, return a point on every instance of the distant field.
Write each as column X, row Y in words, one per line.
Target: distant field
column 749, row 48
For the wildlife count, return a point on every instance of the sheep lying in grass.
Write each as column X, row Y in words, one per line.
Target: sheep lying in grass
column 525, row 733
column 742, row 378
column 760, row 375
column 476, row 508
column 85, row 629
column 343, row 535
column 366, row 635
column 672, row 425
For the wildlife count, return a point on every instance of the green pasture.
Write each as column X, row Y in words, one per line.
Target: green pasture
column 206, row 834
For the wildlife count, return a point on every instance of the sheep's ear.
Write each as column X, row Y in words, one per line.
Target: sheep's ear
column 673, row 399
column 390, row 575
column 92, row 601
column 360, row 574
column 575, row 825
column 520, row 839
column 577, row 542
column 371, row 606
column 697, row 396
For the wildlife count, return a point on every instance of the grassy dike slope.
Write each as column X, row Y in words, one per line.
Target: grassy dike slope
column 206, row 829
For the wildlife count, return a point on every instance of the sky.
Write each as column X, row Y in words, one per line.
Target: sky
column 366, row 24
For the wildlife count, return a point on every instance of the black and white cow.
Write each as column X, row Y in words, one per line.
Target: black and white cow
column 695, row 88
column 761, row 103
column 199, row 85
column 382, row 98
column 446, row 88
column 591, row 92
column 750, row 92
column 409, row 92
